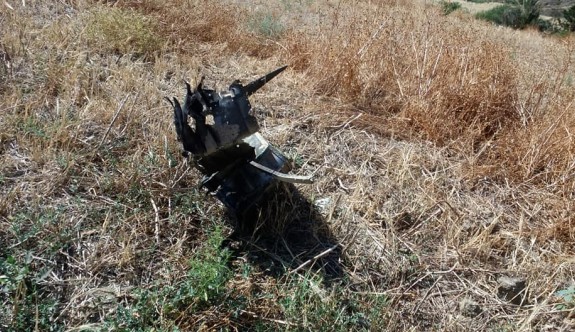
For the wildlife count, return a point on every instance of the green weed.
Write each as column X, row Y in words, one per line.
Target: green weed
column 41, row 229
column 309, row 305
column 32, row 127
column 25, row 304
column 123, row 32
column 266, row 25
column 162, row 305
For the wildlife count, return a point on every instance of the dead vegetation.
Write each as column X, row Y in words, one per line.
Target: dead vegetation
column 443, row 150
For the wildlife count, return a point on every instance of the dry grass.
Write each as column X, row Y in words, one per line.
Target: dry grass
column 443, row 150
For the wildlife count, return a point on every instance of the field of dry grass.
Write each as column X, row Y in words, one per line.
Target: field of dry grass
column 442, row 149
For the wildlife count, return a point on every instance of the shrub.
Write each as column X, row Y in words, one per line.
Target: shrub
column 569, row 16
column 554, row 26
column 545, row 25
column 517, row 15
column 449, row 7
column 503, row 15
column 530, row 10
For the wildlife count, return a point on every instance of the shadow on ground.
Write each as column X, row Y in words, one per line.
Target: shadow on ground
column 287, row 232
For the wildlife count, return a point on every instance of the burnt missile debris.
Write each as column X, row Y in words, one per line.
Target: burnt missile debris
column 224, row 143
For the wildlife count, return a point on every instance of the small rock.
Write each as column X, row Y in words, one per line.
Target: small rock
column 323, row 204
column 469, row 308
column 512, row 289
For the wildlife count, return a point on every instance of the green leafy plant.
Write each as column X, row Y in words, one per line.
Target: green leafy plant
column 313, row 307
column 207, row 276
column 161, row 305
column 25, row 306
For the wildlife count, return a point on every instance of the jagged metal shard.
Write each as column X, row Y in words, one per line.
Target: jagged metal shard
column 238, row 164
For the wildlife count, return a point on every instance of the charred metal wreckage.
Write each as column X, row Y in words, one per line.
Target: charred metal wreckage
column 238, row 164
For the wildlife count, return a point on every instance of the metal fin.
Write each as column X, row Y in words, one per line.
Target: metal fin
column 180, row 118
column 282, row 176
column 254, row 86
column 190, row 139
